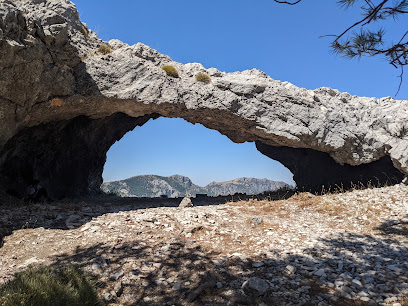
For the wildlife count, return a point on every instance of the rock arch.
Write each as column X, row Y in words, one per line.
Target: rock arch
column 63, row 104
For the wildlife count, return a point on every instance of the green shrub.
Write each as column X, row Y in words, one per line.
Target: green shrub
column 114, row 192
column 203, row 77
column 171, row 71
column 403, row 131
column 47, row 286
column 105, row 49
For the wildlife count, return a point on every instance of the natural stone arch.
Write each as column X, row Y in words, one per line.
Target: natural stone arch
column 68, row 157
column 63, row 105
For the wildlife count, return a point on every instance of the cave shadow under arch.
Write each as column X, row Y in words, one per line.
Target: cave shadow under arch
column 67, row 158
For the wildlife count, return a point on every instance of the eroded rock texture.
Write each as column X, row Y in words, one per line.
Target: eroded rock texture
column 63, row 104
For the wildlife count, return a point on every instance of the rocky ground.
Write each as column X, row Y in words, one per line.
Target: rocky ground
column 337, row 249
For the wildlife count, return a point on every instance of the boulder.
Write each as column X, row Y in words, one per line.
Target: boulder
column 186, row 202
column 255, row 286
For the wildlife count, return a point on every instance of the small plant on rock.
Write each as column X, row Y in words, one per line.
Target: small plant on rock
column 203, row 77
column 171, row 71
column 105, row 49
column 403, row 131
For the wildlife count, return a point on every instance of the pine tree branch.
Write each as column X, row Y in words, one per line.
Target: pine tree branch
column 401, row 77
column 368, row 42
column 285, row 2
column 370, row 4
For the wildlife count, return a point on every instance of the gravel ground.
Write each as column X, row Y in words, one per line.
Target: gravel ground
column 338, row 249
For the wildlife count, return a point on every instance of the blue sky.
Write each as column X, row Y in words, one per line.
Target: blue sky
column 231, row 35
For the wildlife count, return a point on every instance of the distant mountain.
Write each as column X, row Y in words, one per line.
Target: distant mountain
column 243, row 185
column 178, row 186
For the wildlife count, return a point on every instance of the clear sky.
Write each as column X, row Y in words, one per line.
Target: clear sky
column 231, row 35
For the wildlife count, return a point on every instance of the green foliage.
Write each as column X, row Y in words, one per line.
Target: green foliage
column 137, row 185
column 358, row 39
column 171, row 71
column 363, row 43
column 203, row 77
column 114, row 192
column 47, row 286
column 105, row 49
column 369, row 42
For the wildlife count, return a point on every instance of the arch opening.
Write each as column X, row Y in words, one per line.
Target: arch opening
column 66, row 158
column 171, row 157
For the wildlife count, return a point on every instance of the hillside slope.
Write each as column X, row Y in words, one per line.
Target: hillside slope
column 178, row 186
column 243, row 185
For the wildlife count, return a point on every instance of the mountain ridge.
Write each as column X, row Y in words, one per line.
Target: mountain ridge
column 151, row 185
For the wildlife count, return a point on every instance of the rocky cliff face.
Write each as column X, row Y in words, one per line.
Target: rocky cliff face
column 153, row 186
column 179, row 186
column 245, row 185
column 63, row 104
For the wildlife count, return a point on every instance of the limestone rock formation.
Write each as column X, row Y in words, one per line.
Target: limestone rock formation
column 246, row 185
column 63, row 104
column 153, row 186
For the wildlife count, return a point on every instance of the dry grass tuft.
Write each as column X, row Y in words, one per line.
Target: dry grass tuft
column 203, row 78
column 263, row 207
column 105, row 49
column 306, row 199
column 171, row 71
column 84, row 31
column 331, row 209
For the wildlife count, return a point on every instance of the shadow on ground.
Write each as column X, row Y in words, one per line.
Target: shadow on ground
column 395, row 227
column 177, row 273
column 339, row 269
